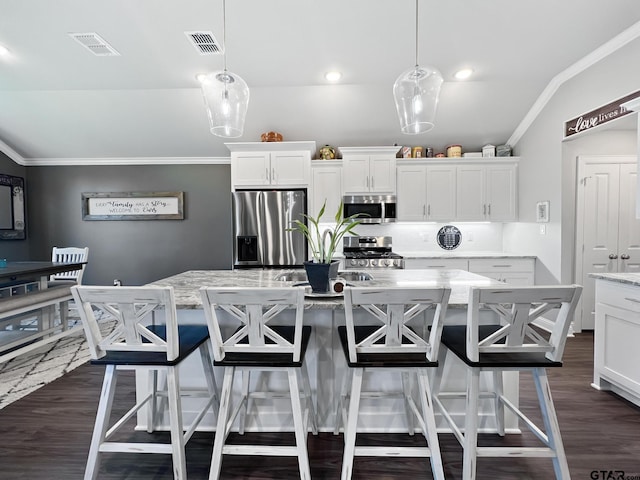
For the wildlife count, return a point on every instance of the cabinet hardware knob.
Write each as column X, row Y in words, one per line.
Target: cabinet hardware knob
column 625, row 256
column 613, row 256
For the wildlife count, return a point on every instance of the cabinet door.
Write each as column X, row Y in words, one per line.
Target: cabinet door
column 290, row 168
column 436, row 263
column 441, row 193
column 412, row 193
column 470, row 205
column 500, row 192
column 382, row 173
column 326, row 185
column 515, row 271
column 250, row 169
column 355, row 174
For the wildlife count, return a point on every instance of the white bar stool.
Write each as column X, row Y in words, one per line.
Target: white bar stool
column 138, row 343
column 247, row 339
column 386, row 342
column 509, row 343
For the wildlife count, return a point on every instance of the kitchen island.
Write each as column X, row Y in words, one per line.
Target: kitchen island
column 617, row 334
column 324, row 358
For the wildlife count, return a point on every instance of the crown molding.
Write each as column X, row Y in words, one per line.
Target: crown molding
column 12, row 154
column 55, row 162
column 580, row 66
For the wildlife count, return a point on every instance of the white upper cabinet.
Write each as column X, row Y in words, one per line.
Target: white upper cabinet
column 457, row 190
column 326, row 185
column 426, row 193
column 487, row 192
column 369, row 169
column 264, row 164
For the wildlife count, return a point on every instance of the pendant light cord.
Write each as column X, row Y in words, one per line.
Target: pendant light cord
column 416, row 33
column 224, row 34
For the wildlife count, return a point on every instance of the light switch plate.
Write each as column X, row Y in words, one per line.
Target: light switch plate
column 543, row 229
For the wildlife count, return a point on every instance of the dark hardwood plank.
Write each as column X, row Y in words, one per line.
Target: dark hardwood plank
column 46, row 435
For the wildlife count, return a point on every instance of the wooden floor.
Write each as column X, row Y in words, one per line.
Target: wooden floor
column 45, row 436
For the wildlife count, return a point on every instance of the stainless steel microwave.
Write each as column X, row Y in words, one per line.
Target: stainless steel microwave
column 371, row 208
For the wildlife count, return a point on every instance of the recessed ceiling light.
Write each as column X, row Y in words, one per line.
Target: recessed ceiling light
column 333, row 76
column 3, row 51
column 463, row 74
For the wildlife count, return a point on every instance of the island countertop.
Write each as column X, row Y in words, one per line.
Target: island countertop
column 187, row 284
column 626, row 278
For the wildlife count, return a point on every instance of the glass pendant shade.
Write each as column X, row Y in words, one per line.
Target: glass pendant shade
column 416, row 94
column 226, row 96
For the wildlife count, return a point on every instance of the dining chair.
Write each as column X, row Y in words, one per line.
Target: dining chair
column 66, row 255
column 259, row 330
column 147, row 339
column 383, row 338
column 508, row 340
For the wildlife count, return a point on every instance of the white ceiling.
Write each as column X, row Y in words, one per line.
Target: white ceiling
column 58, row 101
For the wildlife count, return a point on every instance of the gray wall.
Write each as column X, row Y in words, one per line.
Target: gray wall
column 14, row 250
column 141, row 251
column 545, row 173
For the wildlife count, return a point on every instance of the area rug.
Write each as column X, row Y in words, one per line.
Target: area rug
column 30, row 371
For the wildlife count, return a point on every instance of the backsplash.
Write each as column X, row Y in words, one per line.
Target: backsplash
column 413, row 238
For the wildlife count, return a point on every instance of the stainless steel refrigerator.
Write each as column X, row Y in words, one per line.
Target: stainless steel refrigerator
column 260, row 222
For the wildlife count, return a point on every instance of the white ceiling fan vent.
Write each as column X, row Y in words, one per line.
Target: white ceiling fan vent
column 204, row 42
column 95, row 44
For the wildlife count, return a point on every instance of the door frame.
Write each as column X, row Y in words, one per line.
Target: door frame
column 582, row 162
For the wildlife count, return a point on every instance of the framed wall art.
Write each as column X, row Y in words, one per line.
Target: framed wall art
column 12, row 211
column 542, row 212
column 133, row 206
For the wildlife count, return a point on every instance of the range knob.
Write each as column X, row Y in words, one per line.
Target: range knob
column 362, row 263
column 373, row 262
column 388, row 262
column 353, row 261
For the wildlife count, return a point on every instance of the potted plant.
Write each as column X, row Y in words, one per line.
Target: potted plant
column 321, row 268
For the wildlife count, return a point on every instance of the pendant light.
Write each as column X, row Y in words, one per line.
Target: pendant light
column 226, row 95
column 416, row 93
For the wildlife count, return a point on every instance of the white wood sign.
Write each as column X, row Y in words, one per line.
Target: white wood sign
column 133, row 206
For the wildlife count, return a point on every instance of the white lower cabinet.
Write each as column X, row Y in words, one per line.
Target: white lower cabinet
column 514, row 271
column 436, row 263
column 616, row 339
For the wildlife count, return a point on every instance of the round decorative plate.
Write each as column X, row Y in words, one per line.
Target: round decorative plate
column 449, row 237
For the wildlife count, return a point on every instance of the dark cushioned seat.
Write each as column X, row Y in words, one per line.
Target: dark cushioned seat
column 239, row 359
column 454, row 338
column 191, row 337
column 381, row 359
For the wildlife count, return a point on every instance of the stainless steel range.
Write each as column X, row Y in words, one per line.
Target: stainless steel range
column 370, row 252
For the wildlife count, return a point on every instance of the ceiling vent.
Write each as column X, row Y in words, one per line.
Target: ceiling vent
column 95, row 44
column 204, row 42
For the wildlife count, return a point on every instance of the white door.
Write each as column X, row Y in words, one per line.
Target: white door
column 326, row 187
column 382, row 172
column 501, row 193
column 607, row 228
column 628, row 225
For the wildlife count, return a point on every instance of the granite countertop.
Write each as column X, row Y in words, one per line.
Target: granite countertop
column 187, row 284
column 450, row 254
column 626, row 278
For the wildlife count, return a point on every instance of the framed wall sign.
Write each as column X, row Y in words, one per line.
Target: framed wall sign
column 12, row 213
column 542, row 211
column 133, row 206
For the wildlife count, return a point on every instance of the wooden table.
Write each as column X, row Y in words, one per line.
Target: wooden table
column 20, row 303
column 25, row 272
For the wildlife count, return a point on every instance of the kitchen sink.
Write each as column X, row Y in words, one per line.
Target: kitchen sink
column 301, row 276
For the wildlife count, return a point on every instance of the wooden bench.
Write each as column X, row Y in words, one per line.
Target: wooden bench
column 41, row 305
